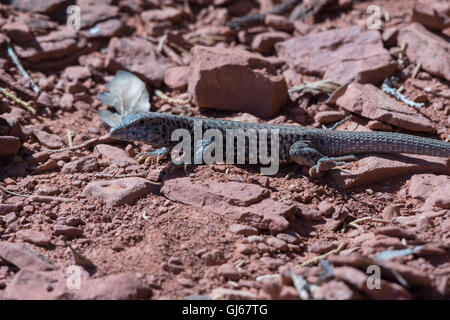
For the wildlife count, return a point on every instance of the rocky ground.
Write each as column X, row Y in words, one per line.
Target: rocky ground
column 221, row 231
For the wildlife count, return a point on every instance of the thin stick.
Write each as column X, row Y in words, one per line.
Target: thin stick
column 416, row 70
column 17, row 100
column 355, row 223
column 170, row 100
column 19, row 66
column 323, row 256
column 37, row 197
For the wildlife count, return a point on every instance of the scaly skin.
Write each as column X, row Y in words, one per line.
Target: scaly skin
column 315, row 144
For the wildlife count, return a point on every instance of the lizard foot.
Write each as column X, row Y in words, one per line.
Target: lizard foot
column 327, row 163
column 153, row 155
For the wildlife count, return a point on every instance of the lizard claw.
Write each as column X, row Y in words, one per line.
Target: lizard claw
column 153, row 155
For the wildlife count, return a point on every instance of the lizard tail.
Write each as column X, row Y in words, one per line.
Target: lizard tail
column 344, row 143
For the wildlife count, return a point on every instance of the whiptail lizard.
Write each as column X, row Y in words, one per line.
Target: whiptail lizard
column 319, row 149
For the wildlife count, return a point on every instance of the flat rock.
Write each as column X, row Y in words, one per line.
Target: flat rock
column 114, row 155
column 22, row 257
column 429, row 17
column 230, row 294
column 93, row 12
column 427, row 48
column 54, row 45
column 422, row 186
column 373, row 169
column 39, row 6
column 10, row 146
column 343, row 55
column 237, row 80
column 35, row 237
column 166, row 14
column 137, row 56
column 119, row 191
column 86, row 164
column 243, row 202
column 177, row 77
column 32, row 285
column 264, row 42
column 49, row 140
column 358, row 279
column 107, row 29
column 64, row 230
column 372, row 103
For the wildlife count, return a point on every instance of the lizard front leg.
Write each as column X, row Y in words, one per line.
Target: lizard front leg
column 151, row 155
column 304, row 154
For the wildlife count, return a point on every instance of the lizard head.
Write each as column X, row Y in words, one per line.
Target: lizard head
column 140, row 127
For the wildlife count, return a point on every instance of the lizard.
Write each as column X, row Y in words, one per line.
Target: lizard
column 319, row 149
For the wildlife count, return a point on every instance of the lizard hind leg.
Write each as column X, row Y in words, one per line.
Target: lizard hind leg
column 302, row 153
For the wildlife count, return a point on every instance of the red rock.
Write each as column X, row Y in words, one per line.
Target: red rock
column 329, row 116
column 422, row 186
column 119, row 191
column 426, row 48
column 66, row 102
column 342, row 54
column 67, row 231
column 18, row 32
column 429, row 17
column 325, row 208
column 439, row 5
column 308, row 213
column 389, row 36
column 336, row 290
column 278, row 22
column 214, row 257
column 95, row 11
column 49, row 165
column 41, row 6
column 229, row 272
column 276, row 243
column 87, row 164
column 390, row 212
column 229, row 294
column 35, row 237
column 413, row 276
column 439, row 198
column 54, row 45
column 31, row 285
column 234, row 79
column 271, row 263
column 23, row 258
column 6, row 208
column 243, row 230
column 272, row 286
column 321, row 246
column 376, row 125
column 10, row 218
column 366, row 99
column 76, row 73
column 264, row 42
column 114, row 155
column 177, row 77
column 396, row 232
column 9, row 146
column 244, row 248
column 357, row 278
column 166, row 14
column 137, row 56
column 108, row 29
